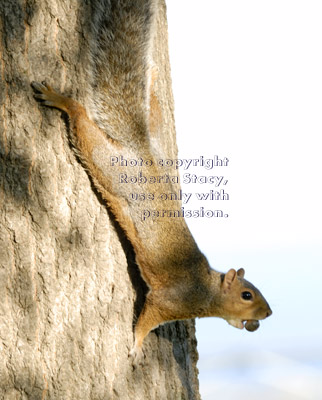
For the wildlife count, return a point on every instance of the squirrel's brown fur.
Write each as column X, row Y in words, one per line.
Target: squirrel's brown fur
column 181, row 283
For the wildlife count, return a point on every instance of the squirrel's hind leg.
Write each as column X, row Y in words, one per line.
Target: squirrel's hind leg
column 84, row 133
column 48, row 97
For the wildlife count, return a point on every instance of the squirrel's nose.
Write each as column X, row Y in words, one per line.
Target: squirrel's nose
column 269, row 312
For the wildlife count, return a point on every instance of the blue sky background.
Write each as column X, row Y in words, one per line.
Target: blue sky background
column 247, row 81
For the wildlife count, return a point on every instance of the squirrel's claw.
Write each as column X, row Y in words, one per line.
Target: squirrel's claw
column 39, row 87
column 137, row 356
column 42, row 92
column 49, row 97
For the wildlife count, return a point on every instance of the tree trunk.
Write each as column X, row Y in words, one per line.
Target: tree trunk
column 70, row 290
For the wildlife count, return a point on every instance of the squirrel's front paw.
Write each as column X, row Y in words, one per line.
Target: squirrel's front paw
column 137, row 355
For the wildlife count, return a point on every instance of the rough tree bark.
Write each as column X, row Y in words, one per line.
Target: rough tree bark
column 70, row 289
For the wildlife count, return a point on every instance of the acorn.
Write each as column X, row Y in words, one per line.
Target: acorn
column 251, row 325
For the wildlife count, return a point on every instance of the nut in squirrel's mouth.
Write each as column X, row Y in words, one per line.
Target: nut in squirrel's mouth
column 251, row 325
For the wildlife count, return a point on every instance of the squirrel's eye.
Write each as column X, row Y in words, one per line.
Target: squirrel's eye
column 246, row 295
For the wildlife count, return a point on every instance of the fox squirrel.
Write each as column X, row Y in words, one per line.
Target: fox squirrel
column 181, row 283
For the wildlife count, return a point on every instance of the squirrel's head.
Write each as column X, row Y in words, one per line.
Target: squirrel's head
column 242, row 303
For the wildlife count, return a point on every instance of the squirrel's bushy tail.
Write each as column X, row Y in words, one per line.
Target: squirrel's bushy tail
column 121, row 37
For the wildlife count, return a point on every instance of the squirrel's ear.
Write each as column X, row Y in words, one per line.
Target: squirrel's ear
column 241, row 273
column 230, row 276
